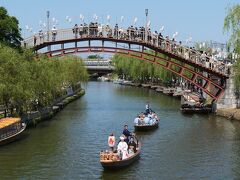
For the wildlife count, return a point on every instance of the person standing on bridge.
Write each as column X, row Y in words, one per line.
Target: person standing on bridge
column 154, row 37
column 54, row 33
column 41, row 36
column 75, row 31
column 80, row 30
column 34, row 40
column 160, row 39
column 100, row 30
column 116, row 31
column 168, row 48
column 85, row 29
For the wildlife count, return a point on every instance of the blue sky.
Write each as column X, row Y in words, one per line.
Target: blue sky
column 202, row 19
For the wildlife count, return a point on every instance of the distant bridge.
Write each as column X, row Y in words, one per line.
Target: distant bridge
column 202, row 71
column 98, row 66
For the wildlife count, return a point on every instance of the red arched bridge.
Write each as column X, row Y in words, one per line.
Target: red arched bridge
column 197, row 68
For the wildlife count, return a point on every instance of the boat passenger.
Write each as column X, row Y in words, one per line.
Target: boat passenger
column 126, row 133
column 152, row 121
column 132, row 146
column 111, row 141
column 136, row 120
column 150, row 115
column 122, row 149
column 147, row 108
column 155, row 116
column 146, row 119
column 141, row 121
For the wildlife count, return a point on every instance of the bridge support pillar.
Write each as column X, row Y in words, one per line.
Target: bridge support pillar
column 228, row 100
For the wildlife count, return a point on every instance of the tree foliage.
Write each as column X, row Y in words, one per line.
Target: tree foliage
column 9, row 30
column 25, row 78
column 95, row 56
column 232, row 25
column 140, row 71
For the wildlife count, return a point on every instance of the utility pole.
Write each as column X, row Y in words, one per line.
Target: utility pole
column 146, row 13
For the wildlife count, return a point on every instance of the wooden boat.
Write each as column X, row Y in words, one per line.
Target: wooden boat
column 178, row 92
column 146, row 127
column 108, row 160
column 146, row 85
column 154, row 87
column 160, row 89
column 136, row 84
column 10, row 130
column 168, row 91
column 192, row 103
column 194, row 109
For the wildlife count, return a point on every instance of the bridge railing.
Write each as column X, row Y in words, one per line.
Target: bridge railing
column 131, row 34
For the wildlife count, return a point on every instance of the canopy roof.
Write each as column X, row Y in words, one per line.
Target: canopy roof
column 4, row 122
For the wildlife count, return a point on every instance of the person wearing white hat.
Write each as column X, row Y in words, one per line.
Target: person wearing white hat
column 122, row 148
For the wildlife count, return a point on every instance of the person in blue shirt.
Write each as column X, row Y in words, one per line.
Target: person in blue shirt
column 126, row 133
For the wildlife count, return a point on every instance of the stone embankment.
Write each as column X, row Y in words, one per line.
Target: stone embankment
column 33, row 118
column 229, row 113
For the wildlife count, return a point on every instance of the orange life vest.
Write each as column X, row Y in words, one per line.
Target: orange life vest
column 111, row 141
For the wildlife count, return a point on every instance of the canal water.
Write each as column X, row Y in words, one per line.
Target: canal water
column 68, row 146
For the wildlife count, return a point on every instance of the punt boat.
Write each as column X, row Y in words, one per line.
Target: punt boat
column 10, row 130
column 146, row 127
column 110, row 160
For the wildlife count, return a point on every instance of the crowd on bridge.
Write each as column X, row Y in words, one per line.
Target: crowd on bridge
column 141, row 34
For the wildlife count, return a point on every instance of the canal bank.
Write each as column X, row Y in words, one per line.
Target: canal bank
column 229, row 113
column 33, row 118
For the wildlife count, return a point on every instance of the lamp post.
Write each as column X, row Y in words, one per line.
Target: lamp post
column 48, row 25
column 146, row 13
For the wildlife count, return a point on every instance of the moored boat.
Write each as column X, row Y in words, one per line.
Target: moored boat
column 146, row 127
column 178, row 92
column 154, row 87
column 118, row 81
column 146, row 85
column 192, row 103
column 205, row 109
column 160, row 89
column 10, row 130
column 168, row 91
column 110, row 160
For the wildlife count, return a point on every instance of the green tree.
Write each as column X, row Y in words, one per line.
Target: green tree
column 26, row 79
column 232, row 25
column 140, row 71
column 9, row 30
column 14, row 80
